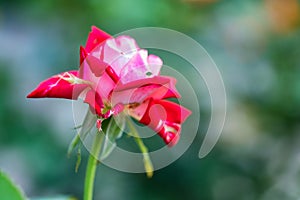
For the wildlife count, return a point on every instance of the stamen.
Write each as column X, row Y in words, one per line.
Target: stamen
column 73, row 79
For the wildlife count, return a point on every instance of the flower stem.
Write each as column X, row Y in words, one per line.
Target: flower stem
column 92, row 166
column 146, row 158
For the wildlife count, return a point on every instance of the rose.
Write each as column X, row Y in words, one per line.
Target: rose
column 116, row 76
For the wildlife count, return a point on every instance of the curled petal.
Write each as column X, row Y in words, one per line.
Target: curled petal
column 104, row 86
column 118, row 51
column 162, row 116
column 83, row 54
column 96, row 65
column 64, row 85
column 99, row 124
column 155, row 64
column 158, row 87
column 96, row 37
column 95, row 102
column 100, row 74
column 112, row 74
column 166, row 91
column 140, row 66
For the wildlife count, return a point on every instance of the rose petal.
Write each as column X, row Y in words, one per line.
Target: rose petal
column 95, row 102
column 162, row 116
column 140, row 66
column 167, row 91
column 96, row 65
column 155, row 64
column 118, row 51
column 83, row 54
column 57, row 87
column 138, row 91
column 104, row 86
column 102, row 76
column 96, row 37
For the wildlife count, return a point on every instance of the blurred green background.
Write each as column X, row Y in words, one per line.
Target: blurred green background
column 255, row 44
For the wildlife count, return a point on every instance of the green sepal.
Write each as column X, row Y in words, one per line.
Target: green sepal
column 146, row 157
column 78, row 161
column 113, row 131
column 87, row 124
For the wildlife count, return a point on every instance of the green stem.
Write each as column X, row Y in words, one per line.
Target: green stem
column 92, row 166
column 146, row 158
